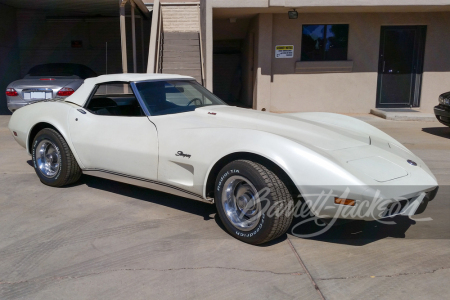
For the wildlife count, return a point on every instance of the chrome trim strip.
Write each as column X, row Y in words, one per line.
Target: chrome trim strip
column 146, row 183
column 139, row 98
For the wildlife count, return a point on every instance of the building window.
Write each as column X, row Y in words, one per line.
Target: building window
column 324, row 42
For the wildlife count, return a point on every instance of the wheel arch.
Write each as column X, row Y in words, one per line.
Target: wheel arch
column 35, row 130
column 271, row 165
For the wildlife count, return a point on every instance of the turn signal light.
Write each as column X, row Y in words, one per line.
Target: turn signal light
column 64, row 92
column 344, row 201
column 11, row 93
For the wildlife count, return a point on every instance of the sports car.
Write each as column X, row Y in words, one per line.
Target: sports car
column 46, row 82
column 168, row 133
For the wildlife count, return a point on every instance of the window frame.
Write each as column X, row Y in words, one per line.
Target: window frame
column 324, row 39
column 133, row 90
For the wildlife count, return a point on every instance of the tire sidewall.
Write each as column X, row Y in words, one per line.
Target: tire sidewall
column 47, row 134
column 264, row 226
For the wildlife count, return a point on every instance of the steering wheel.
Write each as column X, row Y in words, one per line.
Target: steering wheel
column 194, row 100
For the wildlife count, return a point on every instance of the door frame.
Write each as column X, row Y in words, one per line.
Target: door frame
column 416, row 78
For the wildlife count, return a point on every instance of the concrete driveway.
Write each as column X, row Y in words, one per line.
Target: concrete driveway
column 105, row 240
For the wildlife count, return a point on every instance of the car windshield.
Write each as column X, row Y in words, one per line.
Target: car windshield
column 61, row 69
column 175, row 96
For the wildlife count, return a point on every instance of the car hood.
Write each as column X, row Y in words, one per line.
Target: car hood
column 37, row 83
column 320, row 135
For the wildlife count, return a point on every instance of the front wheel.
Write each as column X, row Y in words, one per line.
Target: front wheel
column 53, row 160
column 253, row 203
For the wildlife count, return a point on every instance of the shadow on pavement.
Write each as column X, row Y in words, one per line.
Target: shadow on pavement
column 148, row 195
column 438, row 131
column 355, row 233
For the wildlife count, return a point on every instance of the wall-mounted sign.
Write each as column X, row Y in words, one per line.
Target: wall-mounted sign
column 284, row 51
column 77, row 44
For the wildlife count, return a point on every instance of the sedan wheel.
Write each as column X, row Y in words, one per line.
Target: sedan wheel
column 253, row 203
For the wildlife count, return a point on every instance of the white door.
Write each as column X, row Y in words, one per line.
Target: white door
column 125, row 145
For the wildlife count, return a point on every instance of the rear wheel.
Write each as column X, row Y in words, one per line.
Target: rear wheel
column 53, row 160
column 253, row 203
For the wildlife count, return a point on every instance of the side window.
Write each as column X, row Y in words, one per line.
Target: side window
column 114, row 99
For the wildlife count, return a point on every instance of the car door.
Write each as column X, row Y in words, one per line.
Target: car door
column 126, row 144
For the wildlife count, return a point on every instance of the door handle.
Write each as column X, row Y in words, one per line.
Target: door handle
column 384, row 65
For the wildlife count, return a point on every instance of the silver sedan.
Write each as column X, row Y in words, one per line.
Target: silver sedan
column 46, row 81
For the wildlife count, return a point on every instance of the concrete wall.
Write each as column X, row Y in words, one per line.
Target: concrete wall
column 9, row 54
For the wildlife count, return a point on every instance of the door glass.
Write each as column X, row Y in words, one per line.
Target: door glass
column 399, row 51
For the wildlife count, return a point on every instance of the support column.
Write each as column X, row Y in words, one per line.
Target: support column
column 264, row 62
column 123, row 38
column 142, row 44
column 133, row 33
column 153, row 38
column 207, row 36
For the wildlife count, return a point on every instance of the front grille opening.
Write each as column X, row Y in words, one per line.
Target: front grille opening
column 396, row 208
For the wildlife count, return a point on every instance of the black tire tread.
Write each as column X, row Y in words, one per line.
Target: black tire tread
column 73, row 173
column 279, row 192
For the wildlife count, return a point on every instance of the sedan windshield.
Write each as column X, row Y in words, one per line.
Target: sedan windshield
column 175, row 96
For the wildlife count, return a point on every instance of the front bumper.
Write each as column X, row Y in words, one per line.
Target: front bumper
column 373, row 207
column 442, row 114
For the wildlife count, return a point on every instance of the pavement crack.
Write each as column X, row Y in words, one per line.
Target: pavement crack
column 59, row 278
column 297, row 255
column 384, row 276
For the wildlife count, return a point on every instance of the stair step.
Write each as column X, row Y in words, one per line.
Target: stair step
column 181, row 65
column 181, row 26
column 192, row 55
column 193, row 73
column 181, row 59
column 180, row 36
column 181, row 42
column 180, row 48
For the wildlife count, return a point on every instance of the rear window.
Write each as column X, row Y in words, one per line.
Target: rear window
column 62, row 70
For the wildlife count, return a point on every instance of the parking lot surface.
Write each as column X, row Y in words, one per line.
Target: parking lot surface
column 101, row 239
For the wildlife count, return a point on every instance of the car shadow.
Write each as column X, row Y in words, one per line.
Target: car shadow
column 354, row 233
column 202, row 209
column 438, row 131
column 205, row 210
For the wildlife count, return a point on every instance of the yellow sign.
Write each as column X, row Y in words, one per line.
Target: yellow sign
column 285, row 47
column 284, row 51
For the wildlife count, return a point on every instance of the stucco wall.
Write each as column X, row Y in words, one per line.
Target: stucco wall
column 353, row 92
column 9, row 54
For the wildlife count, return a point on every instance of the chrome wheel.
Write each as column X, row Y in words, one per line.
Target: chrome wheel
column 48, row 158
column 241, row 203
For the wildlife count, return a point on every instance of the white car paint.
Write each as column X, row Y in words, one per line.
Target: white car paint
column 316, row 150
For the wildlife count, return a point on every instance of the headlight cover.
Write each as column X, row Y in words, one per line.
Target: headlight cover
column 444, row 101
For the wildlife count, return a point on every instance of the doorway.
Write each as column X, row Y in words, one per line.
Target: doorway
column 400, row 66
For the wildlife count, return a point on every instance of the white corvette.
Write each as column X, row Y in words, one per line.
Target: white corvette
column 167, row 132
